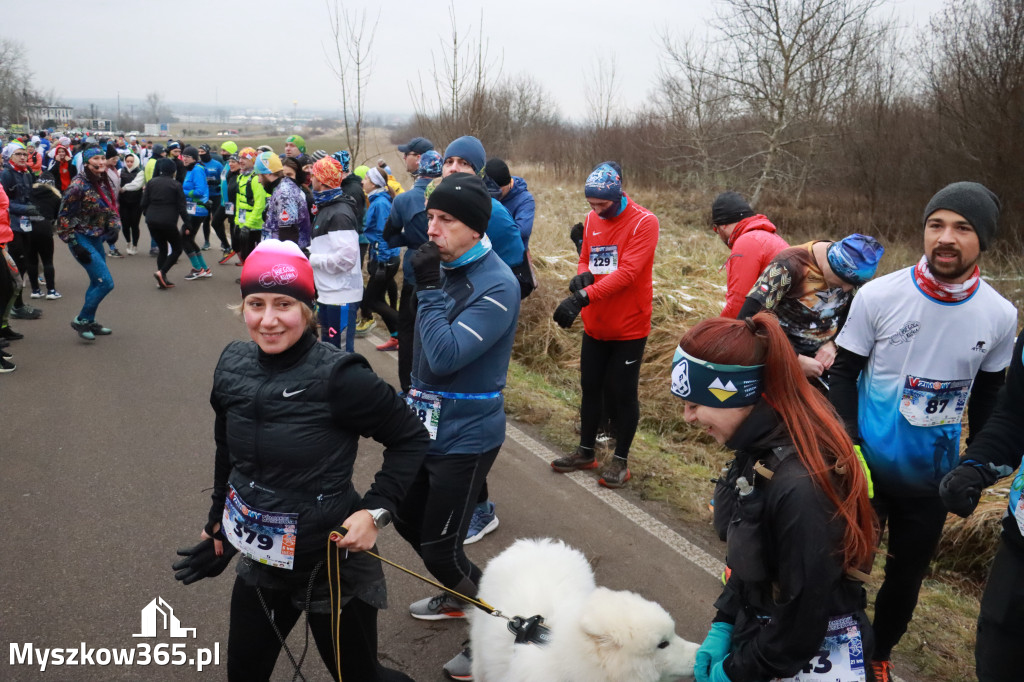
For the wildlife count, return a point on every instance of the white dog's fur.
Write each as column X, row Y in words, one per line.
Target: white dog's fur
column 597, row 635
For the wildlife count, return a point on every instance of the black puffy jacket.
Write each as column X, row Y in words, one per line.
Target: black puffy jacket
column 784, row 551
column 287, row 432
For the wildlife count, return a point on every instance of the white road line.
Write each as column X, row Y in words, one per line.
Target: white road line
column 674, row 540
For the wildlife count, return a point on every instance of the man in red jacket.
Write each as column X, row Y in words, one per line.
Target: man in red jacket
column 753, row 244
column 613, row 290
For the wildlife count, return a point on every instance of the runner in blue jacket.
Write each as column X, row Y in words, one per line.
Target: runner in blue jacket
column 197, row 196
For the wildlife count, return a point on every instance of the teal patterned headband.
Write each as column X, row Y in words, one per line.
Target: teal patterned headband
column 712, row 384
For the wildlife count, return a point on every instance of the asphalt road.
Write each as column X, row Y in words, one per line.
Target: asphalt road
column 106, row 451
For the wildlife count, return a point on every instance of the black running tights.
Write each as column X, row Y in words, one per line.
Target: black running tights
column 610, row 369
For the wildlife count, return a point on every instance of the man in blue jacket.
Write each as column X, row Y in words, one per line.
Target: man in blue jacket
column 213, row 171
column 511, row 191
column 407, row 226
column 465, row 328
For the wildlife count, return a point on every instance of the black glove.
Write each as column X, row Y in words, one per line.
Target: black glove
column 201, row 561
column 576, row 235
column 426, row 264
column 391, row 230
column 580, row 281
column 961, row 488
column 569, row 309
column 81, row 253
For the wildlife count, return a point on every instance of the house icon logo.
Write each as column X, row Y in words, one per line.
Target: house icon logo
column 158, row 615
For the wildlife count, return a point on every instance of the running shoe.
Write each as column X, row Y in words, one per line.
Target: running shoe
column 364, row 327
column 114, row 253
column 615, row 474
column 53, row 295
column 882, row 670
column 10, row 334
column 155, row 251
column 442, row 607
column 5, row 355
column 205, row 246
column 131, row 250
column 83, row 329
column 483, row 522
column 575, row 461
column 228, row 255
column 193, row 274
column 36, row 293
column 6, row 366
column 26, row 312
column 390, row 344
column 461, row 667
column 161, row 281
column 98, row 329
column 206, row 273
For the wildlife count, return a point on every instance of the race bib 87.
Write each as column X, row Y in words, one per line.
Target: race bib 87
column 931, row 402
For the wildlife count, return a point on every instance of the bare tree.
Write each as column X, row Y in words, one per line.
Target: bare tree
column 351, row 61
column 976, row 78
column 601, row 95
column 460, row 79
column 786, row 67
column 15, row 92
column 154, row 105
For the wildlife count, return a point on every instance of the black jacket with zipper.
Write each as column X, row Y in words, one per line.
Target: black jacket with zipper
column 163, row 201
column 785, row 554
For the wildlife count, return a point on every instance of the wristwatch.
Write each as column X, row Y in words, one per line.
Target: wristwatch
column 381, row 517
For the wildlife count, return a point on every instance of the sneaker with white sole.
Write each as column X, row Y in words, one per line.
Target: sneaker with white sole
column 205, row 273
column 7, row 366
column 193, row 274
column 36, row 293
column 461, row 667
column 83, row 329
column 483, row 522
column 53, row 295
column 442, row 607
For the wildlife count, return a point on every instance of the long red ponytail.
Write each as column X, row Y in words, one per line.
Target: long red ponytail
column 821, row 441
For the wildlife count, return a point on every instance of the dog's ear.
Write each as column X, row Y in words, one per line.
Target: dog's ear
column 597, row 620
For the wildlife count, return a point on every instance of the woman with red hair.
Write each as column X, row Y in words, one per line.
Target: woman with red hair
column 793, row 509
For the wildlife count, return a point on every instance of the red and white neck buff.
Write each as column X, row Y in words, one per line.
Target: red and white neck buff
column 944, row 291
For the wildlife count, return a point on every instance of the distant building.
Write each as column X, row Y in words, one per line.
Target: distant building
column 38, row 114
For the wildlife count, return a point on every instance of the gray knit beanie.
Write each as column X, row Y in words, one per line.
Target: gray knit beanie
column 975, row 202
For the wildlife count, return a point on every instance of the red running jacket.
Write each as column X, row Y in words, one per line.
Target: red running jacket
column 753, row 244
column 621, row 251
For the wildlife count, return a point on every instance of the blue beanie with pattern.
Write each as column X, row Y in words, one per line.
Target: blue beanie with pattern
column 604, row 183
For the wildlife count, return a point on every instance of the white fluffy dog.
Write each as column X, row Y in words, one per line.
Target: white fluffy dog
column 597, row 635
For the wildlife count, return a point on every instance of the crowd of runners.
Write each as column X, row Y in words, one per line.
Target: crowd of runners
column 842, row 395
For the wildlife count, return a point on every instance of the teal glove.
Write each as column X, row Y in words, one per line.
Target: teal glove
column 718, row 673
column 713, row 651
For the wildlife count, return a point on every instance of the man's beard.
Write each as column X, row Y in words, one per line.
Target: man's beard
column 951, row 270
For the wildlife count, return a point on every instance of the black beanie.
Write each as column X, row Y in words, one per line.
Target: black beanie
column 973, row 201
column 111, row 151
column 497, row 170
column 191, row 152
column 729, row 208
column 465, row 197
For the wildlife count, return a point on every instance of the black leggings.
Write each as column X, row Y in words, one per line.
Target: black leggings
column 246, row 241
column 39, row 247
column 165, row 235
column 378, row 285
column 130, row 215
column 17, row 247
column 219, row 216
column 1001, row 622
column 915, row 527
column 435, row 515
column 610, row 369
column 253, row 646
column 188, row 235
column 406, row 331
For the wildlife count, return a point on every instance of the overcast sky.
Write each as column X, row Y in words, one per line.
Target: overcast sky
column 268, row 53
